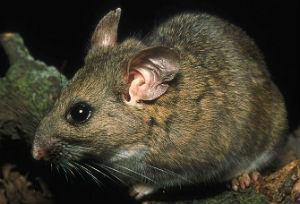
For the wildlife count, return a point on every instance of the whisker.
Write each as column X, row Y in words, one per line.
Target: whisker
column 100, row 172
column 72, row 165
column 58, row 169
column 68, row 170
column 65, row 173
column 113, row 169
column 139, row 174
column 165, row 171
column 116, row 177
column 68, row 166
column 88, row 172
column 169, row 172
column 62, row 171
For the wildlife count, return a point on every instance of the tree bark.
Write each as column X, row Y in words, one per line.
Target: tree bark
column 27, row 90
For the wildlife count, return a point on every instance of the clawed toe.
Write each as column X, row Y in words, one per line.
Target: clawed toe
column 254, row 176
column 244, row 181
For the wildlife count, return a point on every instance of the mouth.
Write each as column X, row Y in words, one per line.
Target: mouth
column 76, row 159
column 57, row 150
column 66, row 160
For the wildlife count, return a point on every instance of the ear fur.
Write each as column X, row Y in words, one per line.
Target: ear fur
column 105, row 33
column 148, row 73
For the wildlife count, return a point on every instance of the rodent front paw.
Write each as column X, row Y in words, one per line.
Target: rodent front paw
column 139, row 191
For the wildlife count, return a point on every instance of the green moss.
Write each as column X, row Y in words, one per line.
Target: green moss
column 31, row 81
column 228, row 197
column 3, row 86
column 37, row 83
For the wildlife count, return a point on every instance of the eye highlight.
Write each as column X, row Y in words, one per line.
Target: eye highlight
column 79, row 113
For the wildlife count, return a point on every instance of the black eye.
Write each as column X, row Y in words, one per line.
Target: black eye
column 79, row 113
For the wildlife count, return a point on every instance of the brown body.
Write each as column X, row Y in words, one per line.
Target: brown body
column 215, row 115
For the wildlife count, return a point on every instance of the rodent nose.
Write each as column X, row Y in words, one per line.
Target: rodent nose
column 38, row 153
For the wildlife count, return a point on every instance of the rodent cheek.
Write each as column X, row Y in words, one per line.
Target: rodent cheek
column 137, row 151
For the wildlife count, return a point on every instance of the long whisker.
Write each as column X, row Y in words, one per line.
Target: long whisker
column 109, row 168
column 116, row 177
column 58, row 169
column 69, row 169
column 88, row 172
column 72, row 165
column 139, row 174
column 65, row 173
column 165, row 171
column 169, row 172
column 99, row 171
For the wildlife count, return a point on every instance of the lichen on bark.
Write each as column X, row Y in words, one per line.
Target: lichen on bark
column 27, row 90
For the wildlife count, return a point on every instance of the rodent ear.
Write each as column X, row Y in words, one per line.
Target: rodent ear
column 105, row 33
column 148, row 72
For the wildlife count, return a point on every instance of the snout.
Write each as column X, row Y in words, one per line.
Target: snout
column 38, row 152
column 43, row 148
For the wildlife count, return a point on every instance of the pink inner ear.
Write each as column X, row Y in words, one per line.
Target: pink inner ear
column 139, row 86
column 137, row 82
column 148, row 76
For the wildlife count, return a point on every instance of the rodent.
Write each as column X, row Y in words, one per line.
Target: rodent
column 191, row 102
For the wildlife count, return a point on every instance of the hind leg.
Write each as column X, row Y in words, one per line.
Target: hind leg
column 244, row 180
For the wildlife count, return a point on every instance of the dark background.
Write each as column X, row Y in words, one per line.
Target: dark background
column 58, row 33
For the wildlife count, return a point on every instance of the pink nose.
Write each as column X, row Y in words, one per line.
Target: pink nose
column 38, row 153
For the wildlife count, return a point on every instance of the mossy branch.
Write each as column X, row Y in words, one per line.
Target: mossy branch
column 27, row 90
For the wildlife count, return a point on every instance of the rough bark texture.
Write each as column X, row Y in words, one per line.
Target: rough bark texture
column 283, row 186
column 27, row 92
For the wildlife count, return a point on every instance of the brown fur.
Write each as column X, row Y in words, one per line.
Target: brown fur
column 220, row 112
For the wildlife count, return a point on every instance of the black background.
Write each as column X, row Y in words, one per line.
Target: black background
column 58, row 33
